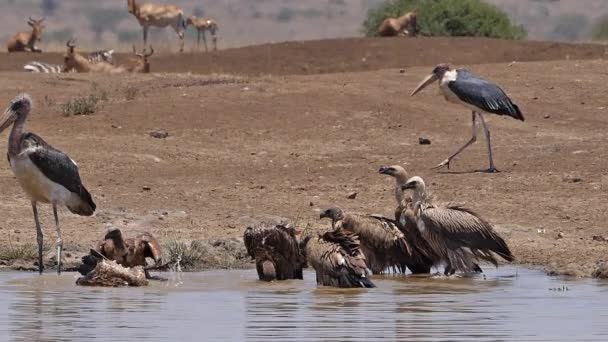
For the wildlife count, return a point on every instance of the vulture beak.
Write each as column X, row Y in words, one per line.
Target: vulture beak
column 7, row 119
column 384, row 170
column 428, row 80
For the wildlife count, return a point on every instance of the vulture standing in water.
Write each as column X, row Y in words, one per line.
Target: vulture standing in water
column 404, row 217
column 128, row 253
column 382, row 242
column 276, row 252
column 337, row 260
column 455, row 233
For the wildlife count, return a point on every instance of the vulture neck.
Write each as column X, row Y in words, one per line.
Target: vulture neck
column 400, row 195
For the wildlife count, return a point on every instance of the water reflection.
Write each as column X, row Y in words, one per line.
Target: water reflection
column 507, row 304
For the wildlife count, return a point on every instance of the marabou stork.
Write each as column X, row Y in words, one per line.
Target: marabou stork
column 461, row 86
column 46, row 174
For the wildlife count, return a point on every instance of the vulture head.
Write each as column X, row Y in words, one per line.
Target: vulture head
column 416, row 184
column 333, row 213
column 395, row 171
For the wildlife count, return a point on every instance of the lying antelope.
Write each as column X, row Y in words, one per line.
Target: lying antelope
column 23, row 41
column 159, row 16
column 203, row 25
column 75, row 61
column 46, row 68
column 140, row 63
column 405, row 25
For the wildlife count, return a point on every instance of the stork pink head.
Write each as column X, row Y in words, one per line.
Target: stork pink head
column 435, row 75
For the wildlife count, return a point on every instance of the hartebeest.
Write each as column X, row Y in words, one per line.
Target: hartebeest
column 23, row 41
column 140, row 63
column 405, row 25
column 159, row 16
column 75, row 61
column 202, row 25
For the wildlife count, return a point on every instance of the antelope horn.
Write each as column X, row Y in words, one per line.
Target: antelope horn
column 151, row 52
column 30, row 20
column 71, row 43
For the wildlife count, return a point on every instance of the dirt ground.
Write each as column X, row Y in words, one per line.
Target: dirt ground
column 242, row 146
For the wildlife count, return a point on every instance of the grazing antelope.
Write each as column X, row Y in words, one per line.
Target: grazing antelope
column 276, row 252
column 75, row 61
column 405, row 25
column 46, row 174
column 140, row 63
column 159, row 16
column 23, row 41
column 203, row 25
column 337, row 259
column 458, row 235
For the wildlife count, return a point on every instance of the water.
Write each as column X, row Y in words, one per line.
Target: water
column 509, row 304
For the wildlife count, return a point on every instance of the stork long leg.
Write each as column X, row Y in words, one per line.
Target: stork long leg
column 468, row 143
column 59, row 239
column 486, row 131
column 39, row 237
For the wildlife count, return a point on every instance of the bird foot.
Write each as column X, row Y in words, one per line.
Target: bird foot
column 442, row 164
column 492, row 169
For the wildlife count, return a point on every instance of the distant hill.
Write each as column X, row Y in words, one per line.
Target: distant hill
column 98, row 24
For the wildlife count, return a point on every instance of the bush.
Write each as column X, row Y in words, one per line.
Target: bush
column 448, row 18
column 83, row 105
column 599, row 31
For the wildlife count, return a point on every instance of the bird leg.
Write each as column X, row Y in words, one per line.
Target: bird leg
column 39, row 237
column 486, row 131
column 59, row 239
column 472, row 140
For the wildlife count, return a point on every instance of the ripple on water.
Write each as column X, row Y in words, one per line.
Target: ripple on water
column 508, row 304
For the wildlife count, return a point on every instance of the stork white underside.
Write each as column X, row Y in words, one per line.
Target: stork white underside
column 37, row 186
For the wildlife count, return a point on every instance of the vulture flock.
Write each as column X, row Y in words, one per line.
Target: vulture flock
column 424, row 234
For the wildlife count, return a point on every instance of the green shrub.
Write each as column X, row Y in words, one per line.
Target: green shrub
column 599, row 31
column 83, row 105
column 448, row 18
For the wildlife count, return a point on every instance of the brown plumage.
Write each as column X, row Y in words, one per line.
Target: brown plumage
column 382, row 241
column 423, row 256
column 458, row 235
column 130, row 252
column 337, row 260
column 276, row 252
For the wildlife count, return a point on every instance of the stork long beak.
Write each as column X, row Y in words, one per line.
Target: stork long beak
column 7, row 119
column 428, row 80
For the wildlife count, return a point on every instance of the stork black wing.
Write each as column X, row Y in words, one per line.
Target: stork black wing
column 58, row 167
column 483, row 95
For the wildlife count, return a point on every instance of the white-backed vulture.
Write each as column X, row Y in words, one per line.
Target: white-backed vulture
column 457, row 234
column 276, row 252
column 128, row 252
column 382, row 241
column 337, row 260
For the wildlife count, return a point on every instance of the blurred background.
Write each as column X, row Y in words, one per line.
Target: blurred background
column 106, row 23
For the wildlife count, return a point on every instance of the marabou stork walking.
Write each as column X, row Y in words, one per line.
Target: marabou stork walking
column 46, row 174
column 461, row 86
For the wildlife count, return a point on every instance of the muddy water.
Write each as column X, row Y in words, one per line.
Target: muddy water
column 508, row 304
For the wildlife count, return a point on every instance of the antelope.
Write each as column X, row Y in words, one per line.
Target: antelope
column 22, row 41
column 405, row 25
column 75, row 61
column 46, row 68
column 159, row 16
column 140, row 63
column 203, row 25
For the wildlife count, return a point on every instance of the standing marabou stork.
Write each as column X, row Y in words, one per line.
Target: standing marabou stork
column 46, row 174
column 461, row 86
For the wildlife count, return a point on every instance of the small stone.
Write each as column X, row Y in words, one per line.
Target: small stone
column 146, row 188
column 401, row 71
column 424, row 141
column 560, row 235
column 159, row 134
column 535, row 98
column 311, row 204
column 352, row 195
column 572, row 179
column 115, row 126
column 600, row 238
column 546, row 116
